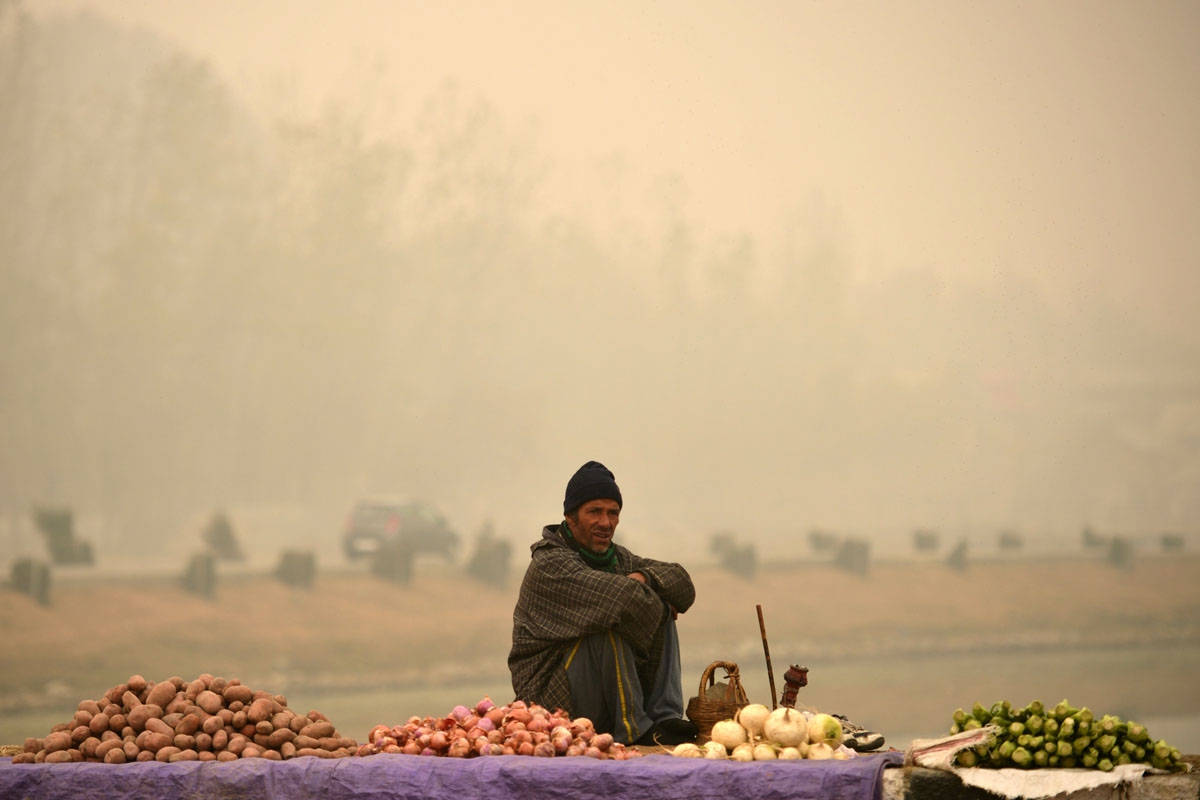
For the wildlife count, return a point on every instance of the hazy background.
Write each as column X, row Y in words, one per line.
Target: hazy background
column 780, row 265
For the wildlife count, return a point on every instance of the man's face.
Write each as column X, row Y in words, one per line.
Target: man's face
column 594, row 523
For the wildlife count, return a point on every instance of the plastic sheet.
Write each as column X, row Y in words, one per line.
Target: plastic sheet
column 397, row 777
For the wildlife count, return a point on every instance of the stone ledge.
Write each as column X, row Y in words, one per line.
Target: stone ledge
column 919, row 783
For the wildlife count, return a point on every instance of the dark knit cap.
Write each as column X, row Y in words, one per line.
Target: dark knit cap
column 592, row 481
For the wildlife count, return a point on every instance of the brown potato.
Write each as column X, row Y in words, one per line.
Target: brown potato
column 194, row 689
column 152, row 741
column 164, row 754
column 237, row 693
column 99, row 723
column 89, row 746
column 318, row 730
column 209, row 701
column 105, row 747
column 159, row 726
column 189, row 724
column 261, row 709
column 137, row 716
column 57, row 742
column 161, row 694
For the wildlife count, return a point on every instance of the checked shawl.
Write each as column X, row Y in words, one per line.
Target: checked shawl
column 563, row 599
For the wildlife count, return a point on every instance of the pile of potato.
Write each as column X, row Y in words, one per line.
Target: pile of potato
column 206, row 719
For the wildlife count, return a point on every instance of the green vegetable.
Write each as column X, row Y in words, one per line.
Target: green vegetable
column 1063, row 736
column 1064, row 710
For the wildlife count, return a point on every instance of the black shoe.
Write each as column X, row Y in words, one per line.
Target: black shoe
column 670, row 732
column 858, row 738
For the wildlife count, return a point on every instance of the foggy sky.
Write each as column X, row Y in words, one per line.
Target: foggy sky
column 971, row 189
column 1054, row 140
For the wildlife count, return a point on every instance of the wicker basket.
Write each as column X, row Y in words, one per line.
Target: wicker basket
column 704, row 711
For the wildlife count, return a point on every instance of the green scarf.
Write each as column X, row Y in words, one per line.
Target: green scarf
column 606, row 561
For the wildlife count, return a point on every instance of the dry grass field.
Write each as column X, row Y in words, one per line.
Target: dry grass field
column 896, row 649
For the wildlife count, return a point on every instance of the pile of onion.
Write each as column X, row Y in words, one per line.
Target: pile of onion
column 486, row 729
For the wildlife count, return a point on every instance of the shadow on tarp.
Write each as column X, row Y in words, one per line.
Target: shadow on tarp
column 381, row 776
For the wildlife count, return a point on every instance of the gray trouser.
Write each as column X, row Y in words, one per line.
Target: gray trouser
column 605, row 686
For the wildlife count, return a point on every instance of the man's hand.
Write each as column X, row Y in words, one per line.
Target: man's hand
column 640, row 578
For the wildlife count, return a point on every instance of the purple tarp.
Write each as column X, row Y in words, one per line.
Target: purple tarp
column 393, row 777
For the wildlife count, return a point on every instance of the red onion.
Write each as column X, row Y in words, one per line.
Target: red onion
column 593, row 752
column 485, row 705
column 544, row 750
column 602, row 741
column 485, row 724
column 459, row 713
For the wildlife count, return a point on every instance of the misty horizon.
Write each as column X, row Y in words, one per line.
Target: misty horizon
column 208, row 305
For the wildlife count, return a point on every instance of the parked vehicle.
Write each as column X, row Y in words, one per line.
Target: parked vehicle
column 412, row 527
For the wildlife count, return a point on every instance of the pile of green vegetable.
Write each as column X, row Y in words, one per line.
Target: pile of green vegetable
column 1059, row 736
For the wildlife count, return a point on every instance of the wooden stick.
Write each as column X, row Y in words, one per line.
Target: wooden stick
column 762, row 627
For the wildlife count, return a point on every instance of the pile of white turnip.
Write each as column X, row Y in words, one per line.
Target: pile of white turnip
column 756, row 733
column 486, row 729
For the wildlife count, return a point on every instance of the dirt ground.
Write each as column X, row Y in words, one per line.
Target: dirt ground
column 898, row 648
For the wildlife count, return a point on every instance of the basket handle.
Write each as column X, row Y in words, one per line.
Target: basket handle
column 731, row 669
